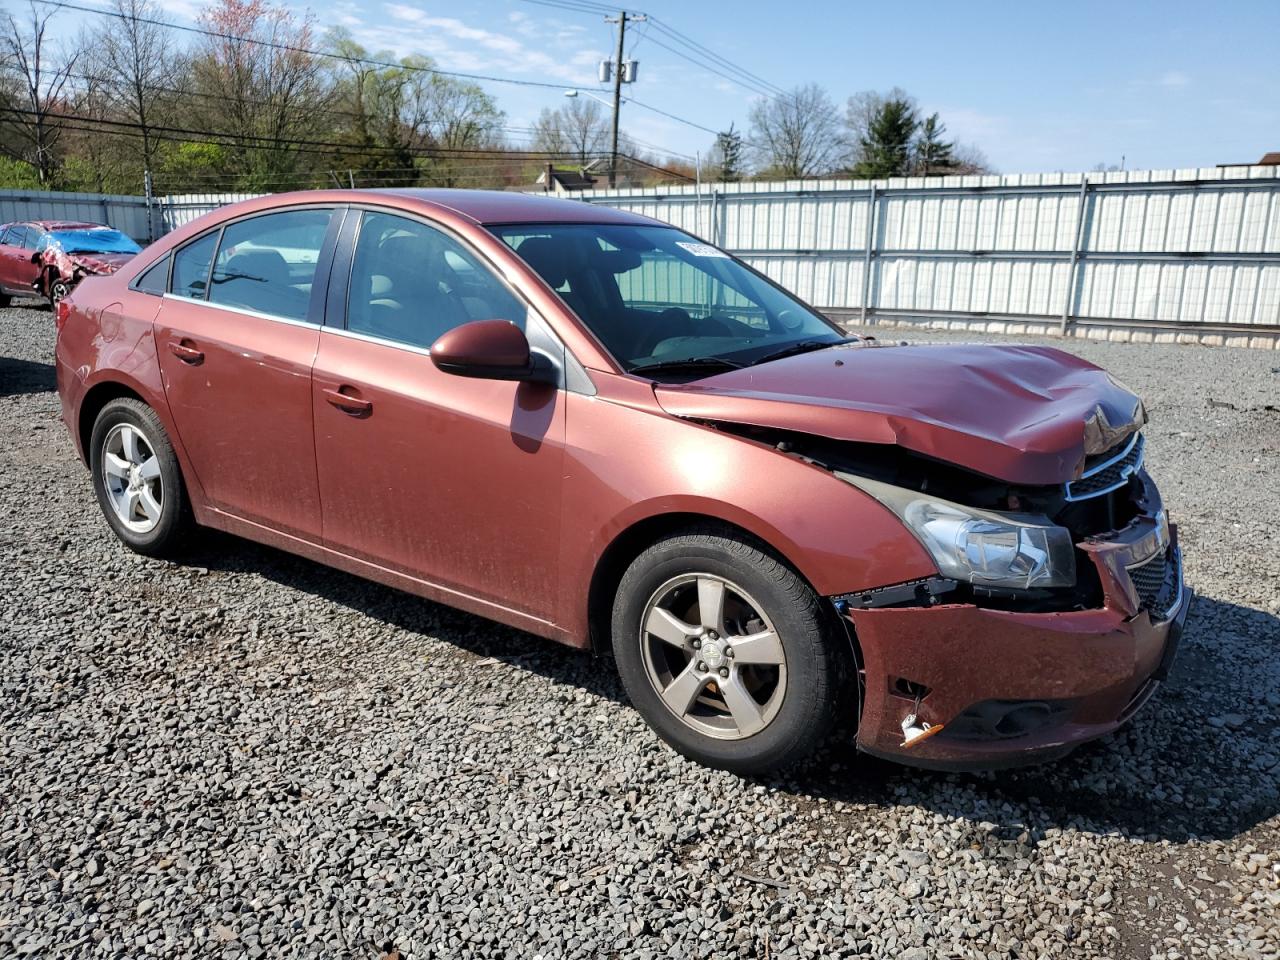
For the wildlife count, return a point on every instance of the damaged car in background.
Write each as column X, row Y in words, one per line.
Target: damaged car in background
column 47, row 258
column 597, row 428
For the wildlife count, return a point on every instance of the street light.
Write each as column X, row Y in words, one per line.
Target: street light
column 613, row 162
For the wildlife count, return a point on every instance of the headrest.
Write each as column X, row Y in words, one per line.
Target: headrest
column 265, row 265
column 621, row 261
column 547, row 259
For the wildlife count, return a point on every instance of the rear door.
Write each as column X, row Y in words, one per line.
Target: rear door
column 451, row 480
column 237, row 336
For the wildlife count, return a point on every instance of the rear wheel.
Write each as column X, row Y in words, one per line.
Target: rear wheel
column 727, row 653
column 137, row 478
column 5, row 300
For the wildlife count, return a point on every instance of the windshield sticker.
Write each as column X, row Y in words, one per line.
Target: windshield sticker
column 702, row 249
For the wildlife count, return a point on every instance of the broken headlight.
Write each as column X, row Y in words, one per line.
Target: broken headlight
column 982, row 547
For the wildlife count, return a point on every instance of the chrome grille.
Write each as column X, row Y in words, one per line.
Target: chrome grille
column 1111, row 473
column 1158, row 582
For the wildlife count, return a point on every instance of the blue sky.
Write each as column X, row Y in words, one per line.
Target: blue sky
column 1037, row 86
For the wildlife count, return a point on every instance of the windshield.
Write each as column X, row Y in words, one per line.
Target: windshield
column 100, row 240
column 654, row 295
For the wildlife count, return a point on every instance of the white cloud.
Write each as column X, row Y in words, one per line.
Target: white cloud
column 1173, row 79
column 458, row 45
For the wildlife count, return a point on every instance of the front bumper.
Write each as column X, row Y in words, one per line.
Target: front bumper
column 1013, row 688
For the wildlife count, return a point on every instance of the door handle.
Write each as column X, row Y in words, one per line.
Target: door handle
column 184, row 351
column 356, row 406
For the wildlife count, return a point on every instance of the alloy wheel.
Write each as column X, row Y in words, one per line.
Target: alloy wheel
column 131, row 478
column 713, row 656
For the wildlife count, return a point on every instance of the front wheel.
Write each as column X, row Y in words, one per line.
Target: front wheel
column 57, row 291
column 137, row 478
column 727, row 653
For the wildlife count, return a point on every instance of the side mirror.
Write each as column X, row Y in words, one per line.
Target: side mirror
column 35, row 257
column 490, row 350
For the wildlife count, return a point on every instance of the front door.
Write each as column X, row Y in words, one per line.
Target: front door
column 17, row 271
column 451, row 480
column 236, row 337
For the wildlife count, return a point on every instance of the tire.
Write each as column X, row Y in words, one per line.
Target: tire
column 797, row 700
column 5, row 300
column 57, row 290
column 157, row 523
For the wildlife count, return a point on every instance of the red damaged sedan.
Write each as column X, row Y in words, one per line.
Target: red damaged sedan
column 600, row 429
column 48, row 258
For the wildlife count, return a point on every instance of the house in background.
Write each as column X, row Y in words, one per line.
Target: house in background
column 1271, row 159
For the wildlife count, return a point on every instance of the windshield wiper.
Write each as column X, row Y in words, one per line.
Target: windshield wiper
column 802, row 346
column 689, row 363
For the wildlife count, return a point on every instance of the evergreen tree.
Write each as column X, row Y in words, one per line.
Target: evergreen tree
column 726, row 156
column 886, row 147
column 934, row 155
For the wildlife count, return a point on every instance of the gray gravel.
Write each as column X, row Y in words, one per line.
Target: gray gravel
column 250, row 755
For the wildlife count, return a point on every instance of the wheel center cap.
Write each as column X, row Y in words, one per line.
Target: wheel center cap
column 713, row 654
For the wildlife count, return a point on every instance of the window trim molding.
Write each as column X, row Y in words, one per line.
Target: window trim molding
column 242, row 311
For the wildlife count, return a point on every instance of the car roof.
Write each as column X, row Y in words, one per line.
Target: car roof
column 497, row 206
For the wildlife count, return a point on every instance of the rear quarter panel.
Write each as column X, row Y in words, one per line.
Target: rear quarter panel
column 108, row 339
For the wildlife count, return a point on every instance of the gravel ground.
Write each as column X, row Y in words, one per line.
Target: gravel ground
column 247, row 754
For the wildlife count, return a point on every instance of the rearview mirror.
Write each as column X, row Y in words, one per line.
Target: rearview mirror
column 491, row 350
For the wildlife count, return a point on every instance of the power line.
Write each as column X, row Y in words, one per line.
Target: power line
column 734, row 80
column 698, row 54
column 368, row 61
column 716, row 58
column 252, row 140
column 74, row 123
column 576, row 6
column 332, row 111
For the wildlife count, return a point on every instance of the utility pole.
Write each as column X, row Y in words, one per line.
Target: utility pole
column 621, row 20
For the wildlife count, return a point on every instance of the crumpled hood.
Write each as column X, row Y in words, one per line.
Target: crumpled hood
column 87, row 263
column 1023, row 414
column 100, row 262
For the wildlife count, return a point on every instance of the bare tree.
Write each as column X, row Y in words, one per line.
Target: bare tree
column 91, row 155
column 796, row 134
column 576, row 131
column 137, row 61
column 39, row 95
column 261, row 86
column 968, row 159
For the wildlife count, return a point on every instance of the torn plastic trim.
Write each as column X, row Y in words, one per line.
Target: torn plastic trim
column 913, row 593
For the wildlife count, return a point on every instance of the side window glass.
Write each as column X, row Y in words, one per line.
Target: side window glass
column 411, row 283
column 155, row 279
column 267, row 264
column 18, row 237
column 191, row 267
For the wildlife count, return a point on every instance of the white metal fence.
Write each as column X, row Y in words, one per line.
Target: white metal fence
column 1142, row 255
column 141, row 219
